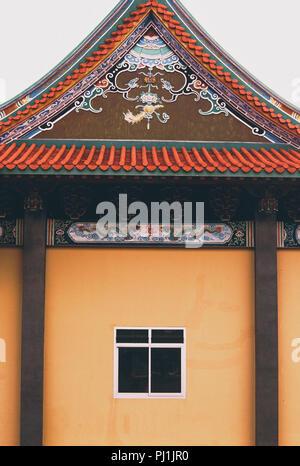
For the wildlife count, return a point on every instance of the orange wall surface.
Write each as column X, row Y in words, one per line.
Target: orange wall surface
column 90, row 291
column 289, row 347
column 10, row 339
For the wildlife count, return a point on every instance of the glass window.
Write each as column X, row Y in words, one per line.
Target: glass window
column 132, row 336
column 165, row 370
column 167, row 336
column 133, row 370
column 149, row 362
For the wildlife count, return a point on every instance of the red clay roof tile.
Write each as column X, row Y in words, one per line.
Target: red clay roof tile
column 30, row 156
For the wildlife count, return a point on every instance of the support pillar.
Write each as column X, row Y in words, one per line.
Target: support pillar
column 32, row 369
column 266, row 324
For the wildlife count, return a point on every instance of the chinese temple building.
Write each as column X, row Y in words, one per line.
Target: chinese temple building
column 138, row 340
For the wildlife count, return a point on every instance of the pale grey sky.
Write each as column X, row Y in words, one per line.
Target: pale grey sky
column 262, row 35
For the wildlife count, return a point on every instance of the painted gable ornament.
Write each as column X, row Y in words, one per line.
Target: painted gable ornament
column 148, row 87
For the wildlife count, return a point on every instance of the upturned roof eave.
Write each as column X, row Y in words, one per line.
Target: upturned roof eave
column 62, row 63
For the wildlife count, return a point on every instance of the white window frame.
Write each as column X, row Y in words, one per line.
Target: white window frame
column 150, row 345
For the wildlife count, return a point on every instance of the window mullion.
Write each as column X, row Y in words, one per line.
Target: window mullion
column 167, row 345
column 131, row 345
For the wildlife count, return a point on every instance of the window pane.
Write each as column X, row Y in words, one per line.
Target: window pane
column 165, row 370
column 167, row 336
column 133, row 370
column 132, row 336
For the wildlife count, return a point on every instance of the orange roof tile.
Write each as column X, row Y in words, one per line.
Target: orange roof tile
column 29, row 157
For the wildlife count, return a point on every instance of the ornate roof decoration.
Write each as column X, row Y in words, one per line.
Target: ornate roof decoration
column 122, row 34
column 146, row 88
column 151, row 51
column 113, row 158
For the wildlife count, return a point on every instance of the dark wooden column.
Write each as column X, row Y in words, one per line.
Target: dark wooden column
column 32, row 368
column 266, row 324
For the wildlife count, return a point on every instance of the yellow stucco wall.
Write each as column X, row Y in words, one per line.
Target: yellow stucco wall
column 90, row 291
column 10, row 337
column 289, row 361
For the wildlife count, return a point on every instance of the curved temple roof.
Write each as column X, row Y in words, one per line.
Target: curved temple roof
column 98, row 50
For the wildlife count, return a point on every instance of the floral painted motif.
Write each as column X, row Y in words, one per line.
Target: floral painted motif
column 11, row 232
column 216, row 234
column 85, row 233
column 151, row 53
column 150, row 103
column 88, row 98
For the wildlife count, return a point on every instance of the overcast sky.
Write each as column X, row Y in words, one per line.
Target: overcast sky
column 262, row 35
